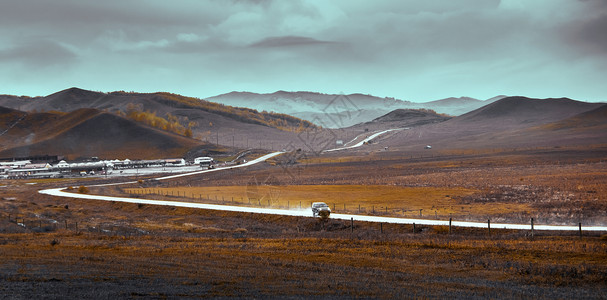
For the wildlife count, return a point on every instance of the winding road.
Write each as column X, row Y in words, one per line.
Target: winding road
column 59, row 192
column 364, row 140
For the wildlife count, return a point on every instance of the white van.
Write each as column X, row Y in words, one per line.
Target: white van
column 204, row 162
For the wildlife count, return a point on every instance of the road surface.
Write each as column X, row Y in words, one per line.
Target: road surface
column 364, row 140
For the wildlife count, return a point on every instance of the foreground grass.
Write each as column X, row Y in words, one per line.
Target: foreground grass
column 418, row 265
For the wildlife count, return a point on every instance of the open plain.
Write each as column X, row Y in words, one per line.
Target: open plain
column 60, row 247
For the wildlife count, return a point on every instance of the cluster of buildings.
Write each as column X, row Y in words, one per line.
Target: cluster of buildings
column 55, row 167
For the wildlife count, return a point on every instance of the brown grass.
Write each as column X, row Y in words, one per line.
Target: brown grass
column 130, row 250
column 397, row 200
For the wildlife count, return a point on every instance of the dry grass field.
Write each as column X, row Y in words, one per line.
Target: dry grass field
column 364, row 199
column 554, row 186
column 66, row 248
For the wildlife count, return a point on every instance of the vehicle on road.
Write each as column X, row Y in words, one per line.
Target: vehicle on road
column 205, row 162
column 320, row 209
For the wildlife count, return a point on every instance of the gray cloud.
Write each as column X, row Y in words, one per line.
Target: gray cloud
column 416, row 50
column 589, row 35
column 39, row 54
column 287, row 41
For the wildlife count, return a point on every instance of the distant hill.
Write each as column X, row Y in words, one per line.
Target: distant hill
column 338, row 111
column 458, row 106
column 212, row 122
column 525, row 112
column 512, row 122
column 407, row 115
column 89, row 132
column 161, row 103
column 327, row 110
column 593, row 119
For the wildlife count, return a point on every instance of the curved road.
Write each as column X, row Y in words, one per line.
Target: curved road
column 365, row 140
column 300, row 212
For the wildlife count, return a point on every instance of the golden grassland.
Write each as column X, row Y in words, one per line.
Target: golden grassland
column 383, row 266
column 553, row 185
column 395, row 200
column 130, row 250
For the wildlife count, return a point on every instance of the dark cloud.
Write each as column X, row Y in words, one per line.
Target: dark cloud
column 287, row 41
column 589, row 35
column 39, row 54
column 390, row 48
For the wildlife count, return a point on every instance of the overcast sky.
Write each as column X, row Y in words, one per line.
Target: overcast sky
column 412, row 50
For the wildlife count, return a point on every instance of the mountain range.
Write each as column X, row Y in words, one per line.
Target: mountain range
column 339, row 111
column 76, row 122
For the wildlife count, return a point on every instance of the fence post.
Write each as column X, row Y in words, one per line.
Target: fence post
column 351, row 224
column 489, row 225
column 373, row 208
column 580, row 225
column 359, row 208
column 381, row 228
column 450, row 225
column 532, row 227
column 65, row 224
column 413, row 227
column 420, row 212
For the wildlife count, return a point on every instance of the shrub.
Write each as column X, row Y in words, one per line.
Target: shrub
column 83, row 190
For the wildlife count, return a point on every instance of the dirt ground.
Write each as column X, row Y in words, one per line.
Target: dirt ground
column 66, row 248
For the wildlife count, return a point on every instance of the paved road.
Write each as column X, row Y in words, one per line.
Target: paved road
column 364, row 140
column 300, row 212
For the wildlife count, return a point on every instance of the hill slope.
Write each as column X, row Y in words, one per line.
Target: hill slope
column 161, row 103
column 88, row 132
column 338, row 111
column 327, row 110
column 510, row 122
column 524, row 112
column 213, row 122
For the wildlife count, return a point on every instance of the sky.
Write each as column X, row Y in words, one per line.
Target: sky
column 411, row 50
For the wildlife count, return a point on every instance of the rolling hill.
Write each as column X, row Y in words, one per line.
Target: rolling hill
column 89, row 132
column 401, row 118
column 211, row 122
column 340, row 111
column 161, row 103
column 511, row 122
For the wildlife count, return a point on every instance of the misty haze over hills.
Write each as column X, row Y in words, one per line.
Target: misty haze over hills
column 337, row 111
